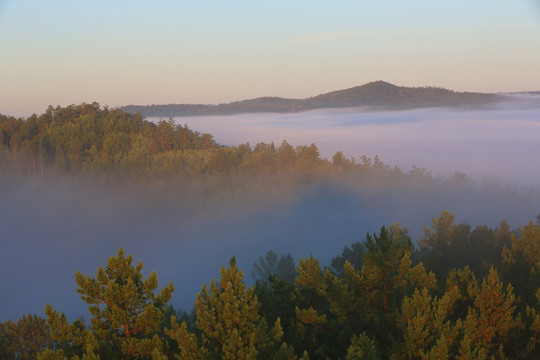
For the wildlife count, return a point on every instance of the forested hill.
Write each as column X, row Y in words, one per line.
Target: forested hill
column 88, row 139
column 376, row 94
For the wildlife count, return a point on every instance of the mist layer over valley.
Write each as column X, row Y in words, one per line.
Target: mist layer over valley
column 187, row 228
column 499, row 142
column 53, row 228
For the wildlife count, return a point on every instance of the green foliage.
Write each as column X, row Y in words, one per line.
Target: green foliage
column 435, row 328
column 387, row 275
column 89, row 139
column 353, row 255
column 492, row 315
column 448, row 245
column 278, row 300
column 25, row 338
column 283, row 268
column 427, row 330
column 82, row 140
column 362, row 347
column 229, row 323
column 70, row 339
column 126, row 314
column 227, row 316
column 532, row 348
column 387, row 308
column 521, row 263
column 363, row 300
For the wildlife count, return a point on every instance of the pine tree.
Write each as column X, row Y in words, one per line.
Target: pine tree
column 446, row 245
column 521, row 263
column 491, row 318
column 265, row 267
column 367, row 300
column 385, row 278
column 533, row 317
column 126, row 313
column 362, row 348
column 25, row 338
column 311, row 328
column 229, row 324
column 428, row 331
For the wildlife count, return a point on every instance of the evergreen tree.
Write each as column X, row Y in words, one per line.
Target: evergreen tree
column 362, row 348
column 532, row 349
column 283, row 268
column 521, row 264
column 311, row 329
column 354, row 255
column 369, row 299
column 25, row 338
column 491, row 318
column 385, row 278
column 265, row 267
column 229, row 324
column 446, row 245
column 428, row 330
column 126, row 313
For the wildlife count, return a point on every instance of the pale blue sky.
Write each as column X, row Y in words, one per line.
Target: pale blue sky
column 143, row 52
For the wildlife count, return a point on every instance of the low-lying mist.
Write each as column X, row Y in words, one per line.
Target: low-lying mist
column 499, row 142
column 185, row 232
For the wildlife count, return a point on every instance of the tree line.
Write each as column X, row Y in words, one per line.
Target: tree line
column 381, row 298
column 89, row 140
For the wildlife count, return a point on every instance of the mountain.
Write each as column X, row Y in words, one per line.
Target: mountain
column 377, row 94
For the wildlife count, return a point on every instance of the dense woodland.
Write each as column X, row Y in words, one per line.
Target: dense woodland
column 382, row 298
column 89, row 140
column 457, row 292
column 378, row 94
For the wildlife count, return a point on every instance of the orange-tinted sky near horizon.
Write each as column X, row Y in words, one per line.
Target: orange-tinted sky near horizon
column 138, row 52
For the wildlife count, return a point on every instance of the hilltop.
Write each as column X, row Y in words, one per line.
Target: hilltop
column 379, row 94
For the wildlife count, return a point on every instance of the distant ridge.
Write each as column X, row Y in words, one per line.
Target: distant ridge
column 379, row 94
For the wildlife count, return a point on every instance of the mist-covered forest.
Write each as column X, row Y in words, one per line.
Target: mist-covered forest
column 448, row 268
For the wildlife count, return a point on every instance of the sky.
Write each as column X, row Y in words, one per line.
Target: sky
column 158, row 52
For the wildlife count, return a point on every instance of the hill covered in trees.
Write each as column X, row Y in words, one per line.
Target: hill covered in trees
column 89, row 139
column 86, row 139
column 378, row 94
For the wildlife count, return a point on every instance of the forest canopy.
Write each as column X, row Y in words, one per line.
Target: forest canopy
column 90, row 140
column 390, row 305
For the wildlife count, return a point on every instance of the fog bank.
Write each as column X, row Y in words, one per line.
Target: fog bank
column 52, row 228
column 499, row 142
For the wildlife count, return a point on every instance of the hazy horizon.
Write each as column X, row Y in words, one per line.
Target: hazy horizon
column 529, row 98
column 176, row 52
